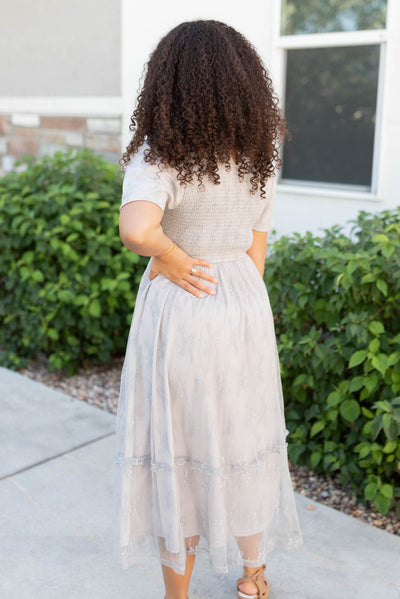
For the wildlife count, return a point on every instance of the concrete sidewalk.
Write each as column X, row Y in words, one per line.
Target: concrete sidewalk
column 56, row 519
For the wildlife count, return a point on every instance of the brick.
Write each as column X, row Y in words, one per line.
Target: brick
column 73, row 123
column 110, row 143
column 19, row 146
column 104, row 125
column 52, row 137
column 4, row 125
column 25, row 120
column 62, row 138
column 25, row 132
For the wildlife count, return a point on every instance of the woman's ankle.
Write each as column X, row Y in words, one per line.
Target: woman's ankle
column 249, row 571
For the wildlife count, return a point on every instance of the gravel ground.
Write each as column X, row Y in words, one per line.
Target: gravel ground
column 99, row 386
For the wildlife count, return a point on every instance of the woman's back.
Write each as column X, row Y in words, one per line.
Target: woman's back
column 215, row 223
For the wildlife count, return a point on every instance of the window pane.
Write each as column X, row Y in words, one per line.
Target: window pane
column 322, row 16
column 330, row 108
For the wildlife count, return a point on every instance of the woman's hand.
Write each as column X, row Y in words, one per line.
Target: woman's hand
column 176, row 265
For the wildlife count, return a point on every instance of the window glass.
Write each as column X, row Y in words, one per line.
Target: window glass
column 330, row 107
column 322, row 16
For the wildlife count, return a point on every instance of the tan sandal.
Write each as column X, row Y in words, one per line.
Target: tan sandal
column 260, row 581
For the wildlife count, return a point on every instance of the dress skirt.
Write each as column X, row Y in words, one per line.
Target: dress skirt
column 201, row 450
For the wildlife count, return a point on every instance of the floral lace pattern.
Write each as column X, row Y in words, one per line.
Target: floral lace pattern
column 201, row 450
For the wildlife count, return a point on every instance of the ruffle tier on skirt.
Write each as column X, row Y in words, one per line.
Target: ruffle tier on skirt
column 201, row 450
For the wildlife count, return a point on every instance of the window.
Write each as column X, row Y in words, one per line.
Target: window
column 323, row 16
column 333, row 61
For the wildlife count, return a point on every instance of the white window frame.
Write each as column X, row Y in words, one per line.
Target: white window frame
column 282, row 43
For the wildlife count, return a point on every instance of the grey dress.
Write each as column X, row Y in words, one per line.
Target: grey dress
column 200, row 435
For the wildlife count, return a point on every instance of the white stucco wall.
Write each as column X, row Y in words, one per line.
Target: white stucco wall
column 294, row 211
column 59, row 48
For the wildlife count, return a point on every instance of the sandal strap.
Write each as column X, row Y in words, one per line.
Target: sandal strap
column 258, row 578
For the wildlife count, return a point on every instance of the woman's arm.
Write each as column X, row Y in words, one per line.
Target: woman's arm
column 141, row 232
column 258, row 250
column 140, row 229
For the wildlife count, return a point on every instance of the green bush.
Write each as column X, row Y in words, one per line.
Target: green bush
column 336, row 301
column 67, row 284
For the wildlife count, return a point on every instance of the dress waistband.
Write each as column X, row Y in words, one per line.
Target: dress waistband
column 215, row 259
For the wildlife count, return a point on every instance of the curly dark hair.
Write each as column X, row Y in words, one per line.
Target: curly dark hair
column 207, row 96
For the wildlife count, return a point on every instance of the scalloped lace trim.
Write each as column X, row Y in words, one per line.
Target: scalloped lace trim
column 127, row 555
column 203, row 466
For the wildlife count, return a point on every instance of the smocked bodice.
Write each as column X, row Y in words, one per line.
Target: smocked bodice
column 214, row 223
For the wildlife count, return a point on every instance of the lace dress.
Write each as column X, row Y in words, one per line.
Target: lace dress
column 201, row 450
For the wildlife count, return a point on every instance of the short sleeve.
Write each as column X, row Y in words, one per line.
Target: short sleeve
column 145, row 181
column 265, row 221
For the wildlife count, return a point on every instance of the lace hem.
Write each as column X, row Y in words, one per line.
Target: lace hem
column 223, row 471
column 128, row 555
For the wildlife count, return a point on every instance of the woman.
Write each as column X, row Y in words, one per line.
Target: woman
column 201, row 439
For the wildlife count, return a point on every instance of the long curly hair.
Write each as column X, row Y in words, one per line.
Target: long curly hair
column 207, row 98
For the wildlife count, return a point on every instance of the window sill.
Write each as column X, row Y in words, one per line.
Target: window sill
column 340, row 194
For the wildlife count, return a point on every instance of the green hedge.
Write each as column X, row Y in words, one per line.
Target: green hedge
column 67, row 284
column 336, row 301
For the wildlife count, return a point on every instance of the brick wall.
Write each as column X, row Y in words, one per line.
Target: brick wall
column 38, row 135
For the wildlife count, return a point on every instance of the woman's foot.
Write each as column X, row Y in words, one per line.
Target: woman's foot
column 249, row 587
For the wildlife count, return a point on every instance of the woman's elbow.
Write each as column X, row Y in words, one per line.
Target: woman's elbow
column 131, row 238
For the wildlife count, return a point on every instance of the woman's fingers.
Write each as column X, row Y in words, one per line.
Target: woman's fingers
column 195, row 278
column 190, row 288
column 203, row 262
column 206, row 276
column 193, row 282
column 201, row 286
column 203, row 274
